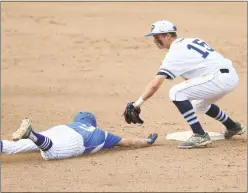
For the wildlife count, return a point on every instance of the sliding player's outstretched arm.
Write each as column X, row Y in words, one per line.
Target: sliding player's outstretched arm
column 138, row 142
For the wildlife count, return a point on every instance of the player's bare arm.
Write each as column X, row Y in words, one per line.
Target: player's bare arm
column 150, row 89
column 138, row 142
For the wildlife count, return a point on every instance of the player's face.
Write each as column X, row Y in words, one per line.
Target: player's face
column 161, row 40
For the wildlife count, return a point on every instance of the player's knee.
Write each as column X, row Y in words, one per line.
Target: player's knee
column 172, row 93
column 175, row 94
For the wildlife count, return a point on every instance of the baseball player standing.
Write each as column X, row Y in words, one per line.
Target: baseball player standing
column 208, row 77
column 64, row 141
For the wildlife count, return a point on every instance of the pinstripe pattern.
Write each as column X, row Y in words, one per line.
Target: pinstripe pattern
column 69, row 148
column 23, row 145
column 67, row 143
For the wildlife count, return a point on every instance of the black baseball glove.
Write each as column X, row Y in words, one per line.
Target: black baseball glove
column 131, row 114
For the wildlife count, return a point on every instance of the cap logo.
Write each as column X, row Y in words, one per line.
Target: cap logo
column 153, row 26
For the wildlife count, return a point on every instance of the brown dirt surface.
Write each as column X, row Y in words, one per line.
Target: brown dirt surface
column 60, row 58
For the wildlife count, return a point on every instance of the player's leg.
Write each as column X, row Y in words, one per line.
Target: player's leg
column 181, row 100
column 207, row 87
column 200, row 138
column 209, row 108
column 26, row 132
column 181, row 95
column 68, row 143
column 232, row 128
column 13, row 147
column 224, row 82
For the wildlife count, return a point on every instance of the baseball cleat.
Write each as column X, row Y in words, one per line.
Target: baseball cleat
column 24, row 131
column 152, row 138
column 237, row 130
column 195, row 141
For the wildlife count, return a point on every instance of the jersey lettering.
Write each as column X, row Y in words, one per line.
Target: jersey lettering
column 203, row 48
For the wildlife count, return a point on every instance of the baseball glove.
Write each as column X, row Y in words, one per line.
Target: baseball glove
column 132, row 114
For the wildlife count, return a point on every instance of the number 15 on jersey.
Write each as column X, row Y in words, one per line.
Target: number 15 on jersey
column 201, row 47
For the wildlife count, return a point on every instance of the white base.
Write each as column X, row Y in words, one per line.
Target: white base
column 185, row 135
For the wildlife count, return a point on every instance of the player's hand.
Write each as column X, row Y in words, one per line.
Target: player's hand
column 132, row 113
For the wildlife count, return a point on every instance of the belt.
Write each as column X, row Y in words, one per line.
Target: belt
column 224, row 70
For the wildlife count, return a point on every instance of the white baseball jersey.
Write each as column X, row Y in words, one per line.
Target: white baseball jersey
column 190, row 58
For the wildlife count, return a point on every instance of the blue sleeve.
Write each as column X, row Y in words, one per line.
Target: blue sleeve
column 111, row 140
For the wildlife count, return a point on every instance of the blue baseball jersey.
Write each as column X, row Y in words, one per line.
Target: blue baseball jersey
column 94, row 138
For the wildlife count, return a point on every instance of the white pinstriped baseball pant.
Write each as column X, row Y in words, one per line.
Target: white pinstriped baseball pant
column 66, row 143
column 205, row 90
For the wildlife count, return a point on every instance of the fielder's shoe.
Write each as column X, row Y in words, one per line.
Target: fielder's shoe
column 196, row 140
column 152, row 138
column 237, row 130
column 24, row 131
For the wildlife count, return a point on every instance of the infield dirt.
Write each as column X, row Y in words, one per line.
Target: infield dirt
column 60, row 58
